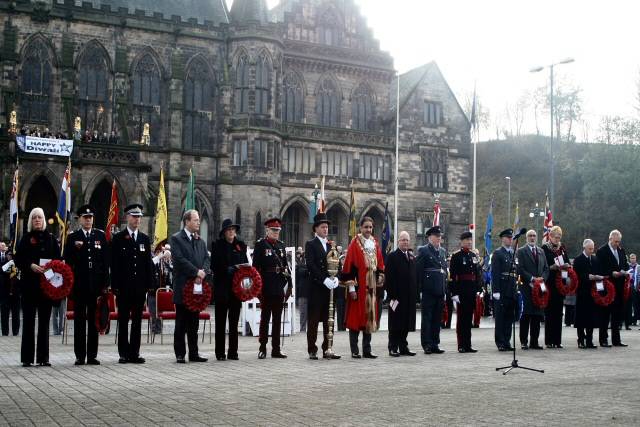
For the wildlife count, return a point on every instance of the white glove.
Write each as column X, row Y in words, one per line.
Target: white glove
column 336, row 282
column 455, row 299
column 496, row 296
column 328, row 282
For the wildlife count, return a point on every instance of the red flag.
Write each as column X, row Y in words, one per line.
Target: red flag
column 548, row 221
column 112, row 219
column 436, row 213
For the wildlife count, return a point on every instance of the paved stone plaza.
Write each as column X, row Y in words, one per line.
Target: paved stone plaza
column 595, row 387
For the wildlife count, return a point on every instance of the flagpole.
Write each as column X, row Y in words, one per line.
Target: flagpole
column 395, row 192
column 474, row 142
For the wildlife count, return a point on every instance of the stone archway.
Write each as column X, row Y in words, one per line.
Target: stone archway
column 296, row 229
column 41, row 194
column 101, row 201
column 378, row 219
column 339, row 227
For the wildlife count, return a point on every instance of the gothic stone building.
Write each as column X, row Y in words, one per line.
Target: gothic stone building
column 260, row 103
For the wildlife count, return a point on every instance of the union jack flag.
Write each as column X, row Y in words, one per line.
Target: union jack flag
column 548, row 220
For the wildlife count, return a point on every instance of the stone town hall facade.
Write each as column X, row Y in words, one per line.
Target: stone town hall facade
column 260, row 103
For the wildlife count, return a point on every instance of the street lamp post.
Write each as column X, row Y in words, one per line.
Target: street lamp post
column 552, row 177
column 508, row 178
column 536, row 213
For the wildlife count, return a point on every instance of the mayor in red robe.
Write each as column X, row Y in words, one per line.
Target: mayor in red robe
column 363, row 275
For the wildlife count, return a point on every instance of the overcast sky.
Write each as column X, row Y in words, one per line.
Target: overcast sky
column 496, row 42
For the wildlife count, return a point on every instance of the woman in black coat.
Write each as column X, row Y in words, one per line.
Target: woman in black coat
column 36, row 246
column 587, row 312
column 226, row 254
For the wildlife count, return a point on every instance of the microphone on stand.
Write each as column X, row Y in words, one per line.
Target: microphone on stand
column 520, row 233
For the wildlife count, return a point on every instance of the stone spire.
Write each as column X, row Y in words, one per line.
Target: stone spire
column 243, row 11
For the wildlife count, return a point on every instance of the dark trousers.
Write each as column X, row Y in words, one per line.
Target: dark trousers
column 585, row 335
column 30, row 307
column 230, row 308
column 10, row 305
column 353, row 342
column 186, row 323
column 270, row 310
column 398, row 339
column 569, row 314
column 303, row 308
column 613, row 314
column 129, row 308
column 530, row 326
column 553, row 321
column 318, row 312
column 340, row 308
column 430, row 323
column 504, row 312
column 85, row 340
column 628, row 312
column 464, row 321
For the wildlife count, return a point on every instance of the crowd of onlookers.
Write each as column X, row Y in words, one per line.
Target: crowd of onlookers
column 87, row 137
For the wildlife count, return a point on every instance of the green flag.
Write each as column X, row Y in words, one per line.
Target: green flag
column 190, row 201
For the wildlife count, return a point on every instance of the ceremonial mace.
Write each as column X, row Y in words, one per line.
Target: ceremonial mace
column 333, row 262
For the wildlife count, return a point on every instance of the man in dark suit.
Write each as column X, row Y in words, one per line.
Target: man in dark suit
column 613, row 263
column 401, row 284
column 532, row 265
column 432, row 276
column 321, row 283
column 190, row 261
column 131, row 278
column 87, row 253
column 503, row 288
column 9, row 296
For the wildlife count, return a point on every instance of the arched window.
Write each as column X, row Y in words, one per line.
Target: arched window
column 329, row 32
column 93, row 86
column 36, row 83
column 146, row 98
column 263, row 85
column 259, row 225
column 328, row 104
column 362, row 109
column 239, row 217
column 198, row 107
column 293, row 103
column 242, row 85
column 205, row 221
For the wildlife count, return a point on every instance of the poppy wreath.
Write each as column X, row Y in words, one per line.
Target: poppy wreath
column 246, row 283
column 445, row 314
column 196, row 302
column 567, row 286
column 63, row 291
column 627, row 288
column 540, row 299
column 606, row 298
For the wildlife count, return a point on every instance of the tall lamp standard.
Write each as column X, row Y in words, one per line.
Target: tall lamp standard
column 552, row 179
column 537, row 213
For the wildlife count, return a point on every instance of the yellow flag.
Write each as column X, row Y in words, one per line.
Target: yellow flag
column 160, row 233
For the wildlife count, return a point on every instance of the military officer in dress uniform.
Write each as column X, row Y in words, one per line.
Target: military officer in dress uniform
column 432, row 274
column 466, row 276
column 131, row 277
column 503, row 287
column 87, row 253
column 270, row 259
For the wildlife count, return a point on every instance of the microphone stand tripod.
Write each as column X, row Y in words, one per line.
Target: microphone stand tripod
column 514, row 361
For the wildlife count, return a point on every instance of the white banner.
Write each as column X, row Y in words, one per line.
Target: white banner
column 49, row 146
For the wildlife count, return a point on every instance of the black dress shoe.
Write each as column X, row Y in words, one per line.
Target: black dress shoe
column 331, row 356
column 197, row 358
column 503, row 349
column 313, row 356
column 221, row 357
column 462, row 350
column 137, row 360
column 44, row 364
column 471, row 350
column 26, row 364
column 123, row 360
column 79, row 362
column 369, row 355
column 525, row 347
column 180, row 359
column 356, row 356
column 233, row 357
column 93, row 362
column 278, row 355
column 620, row 344
column 536, row 347
column 427, row 351
column 437, row 350
column 590, row 345
column 627, row 328
column 605, row 344
column 394, row 353
column 407, row 352
column 262, row 354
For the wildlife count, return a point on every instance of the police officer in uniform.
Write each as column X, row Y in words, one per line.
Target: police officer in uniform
column 503, row 288
column 431, row 268
column 131, row 277
column 466, row 276
column 87, row 253
column 270, row 259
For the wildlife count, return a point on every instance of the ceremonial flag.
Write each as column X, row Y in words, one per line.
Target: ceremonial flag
column 322, row 201
column 114, row 212
column 473, row 119
column 64, row 205
column 190, row 201
column 161, row 230
column 516, row 220
column 353, row 230
column 13, row 210
column 436, row 213
column 548, row 220
column 488, row 244
column 386, row 230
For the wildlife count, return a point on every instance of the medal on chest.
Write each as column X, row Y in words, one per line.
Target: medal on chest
column 142, row 247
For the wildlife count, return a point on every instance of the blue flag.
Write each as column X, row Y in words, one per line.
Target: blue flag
column 488, row 245
column 386, row 230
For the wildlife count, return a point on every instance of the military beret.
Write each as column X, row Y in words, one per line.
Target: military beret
column 506, row 233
